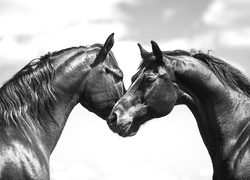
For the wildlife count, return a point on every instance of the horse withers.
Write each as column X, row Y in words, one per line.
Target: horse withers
column 217, row 94
column 36, row 102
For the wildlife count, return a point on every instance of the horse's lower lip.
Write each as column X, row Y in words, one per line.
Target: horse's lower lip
column 124, row 131
column 132, row 134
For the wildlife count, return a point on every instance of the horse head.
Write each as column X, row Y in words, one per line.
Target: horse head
column 92, row 76
column 152, row 94
column 104, row 84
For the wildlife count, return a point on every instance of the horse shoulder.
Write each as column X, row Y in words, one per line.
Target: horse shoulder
column 239, row 157
column 242, row 160
column 18, row 162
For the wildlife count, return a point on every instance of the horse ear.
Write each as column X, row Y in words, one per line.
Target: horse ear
column 157, row 52
column 144, row 53
column 104, row 50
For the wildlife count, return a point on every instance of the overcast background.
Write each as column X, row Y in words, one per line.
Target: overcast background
column 168, row 148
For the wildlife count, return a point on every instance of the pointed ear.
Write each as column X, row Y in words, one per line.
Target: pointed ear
column 144, row 53
column 157, row 52
column 109, row 43
column 104, row 50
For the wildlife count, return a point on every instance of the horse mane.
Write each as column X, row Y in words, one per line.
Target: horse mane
column 56, row 53
column 28, row 96
column 225, row 72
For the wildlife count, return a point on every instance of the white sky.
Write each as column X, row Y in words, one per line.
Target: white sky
column 167, row 148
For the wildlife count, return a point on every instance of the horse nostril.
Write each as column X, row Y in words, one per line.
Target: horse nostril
column 113, row 118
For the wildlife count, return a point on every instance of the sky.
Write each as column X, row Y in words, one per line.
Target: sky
column 165, row 148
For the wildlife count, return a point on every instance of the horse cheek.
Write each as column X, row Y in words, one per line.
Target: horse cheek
column 170, row 102
column 167, row 100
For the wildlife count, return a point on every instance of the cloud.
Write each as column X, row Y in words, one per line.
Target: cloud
column 48, row 16
column 169, row 13
column 12, row 51
column 233, row 38
column 231, row 19
column 54, row 25
column 226, row 38
column 223, row 13
column 201, row 41
column 162, row 19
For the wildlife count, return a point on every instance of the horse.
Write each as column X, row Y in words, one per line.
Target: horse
column 217, row 94
column 36, row 102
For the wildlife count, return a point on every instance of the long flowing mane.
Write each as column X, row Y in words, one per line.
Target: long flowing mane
column 28, row 96
column 225, row 72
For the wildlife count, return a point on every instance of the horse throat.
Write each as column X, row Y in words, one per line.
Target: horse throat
column 205, row 116
column 65, row 102
column 204, row 94
column 222, row 115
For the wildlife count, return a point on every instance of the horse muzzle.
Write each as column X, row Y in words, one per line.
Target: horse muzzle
column 120, row 126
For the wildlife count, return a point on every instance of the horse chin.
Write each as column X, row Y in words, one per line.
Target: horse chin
column 129, row 132
column 124, row 129
column 121, row 130
column 131, row 129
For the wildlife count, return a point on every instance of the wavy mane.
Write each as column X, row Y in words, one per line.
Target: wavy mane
column 28, row 96
column 226, row 73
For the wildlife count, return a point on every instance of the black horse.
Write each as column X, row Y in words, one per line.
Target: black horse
column 36, row 102
column 217, row 94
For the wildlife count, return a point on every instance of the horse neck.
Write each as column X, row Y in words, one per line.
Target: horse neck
column 216, row 106
column 68, row 83
column 62, row 110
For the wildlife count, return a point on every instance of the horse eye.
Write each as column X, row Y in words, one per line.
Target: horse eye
column 150, row 79
column 117, row 78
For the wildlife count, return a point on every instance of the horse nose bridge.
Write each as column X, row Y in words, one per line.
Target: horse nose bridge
column 118, row 110
column 121, row 108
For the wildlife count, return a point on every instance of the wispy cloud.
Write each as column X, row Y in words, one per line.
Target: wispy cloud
column 230, row 20
column 239, row 37
column 53, row 25
column 169, row 13
column 223, row 13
